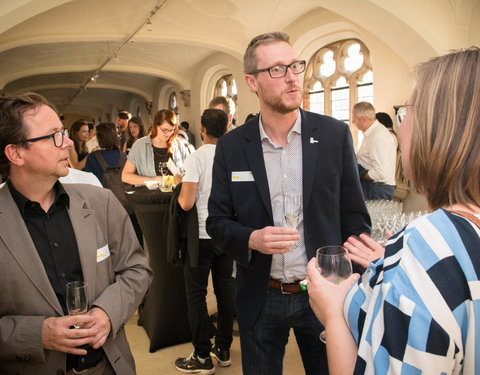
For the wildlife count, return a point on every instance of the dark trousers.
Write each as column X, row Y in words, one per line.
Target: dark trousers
column 196, row 281
column 263, row 344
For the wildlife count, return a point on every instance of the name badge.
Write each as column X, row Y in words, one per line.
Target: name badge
column 244, row 176
column 103, row 253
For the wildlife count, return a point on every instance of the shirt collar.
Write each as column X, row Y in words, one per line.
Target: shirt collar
column 371, row 128
column 61, row 196
column 297, row 127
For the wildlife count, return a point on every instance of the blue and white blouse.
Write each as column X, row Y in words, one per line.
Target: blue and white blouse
column 417, row 311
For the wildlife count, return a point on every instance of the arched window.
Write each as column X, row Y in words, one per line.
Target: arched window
column 172, row 104
column 227, row 87
column 338, row 76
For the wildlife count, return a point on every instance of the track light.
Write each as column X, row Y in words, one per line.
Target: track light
column 149, row 25
column 116, row 59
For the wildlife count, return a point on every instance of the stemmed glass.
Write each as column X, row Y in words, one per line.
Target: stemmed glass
column 76, row 298
column 334, row 265
column 292, row 203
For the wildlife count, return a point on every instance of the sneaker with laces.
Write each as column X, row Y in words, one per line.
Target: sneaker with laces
column 221, row 355
column 193, row 365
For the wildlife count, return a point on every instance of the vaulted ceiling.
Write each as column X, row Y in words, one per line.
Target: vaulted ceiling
column 55, row 47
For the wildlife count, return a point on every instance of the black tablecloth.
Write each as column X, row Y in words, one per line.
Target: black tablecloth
column 164, row 313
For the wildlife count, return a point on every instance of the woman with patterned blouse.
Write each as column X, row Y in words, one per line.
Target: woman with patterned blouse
column 417, row 309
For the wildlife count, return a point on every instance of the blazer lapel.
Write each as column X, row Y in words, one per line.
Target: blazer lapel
column 84, row 225
column 18, row 242
column 310, row 146
column 254, row 155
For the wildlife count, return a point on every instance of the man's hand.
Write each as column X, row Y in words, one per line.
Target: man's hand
column 273, row 240
column 57, row 334
column 100, row 325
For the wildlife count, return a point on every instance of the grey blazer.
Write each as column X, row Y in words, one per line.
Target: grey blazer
column 117, row 282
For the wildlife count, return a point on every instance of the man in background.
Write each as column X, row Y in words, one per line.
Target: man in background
column 195, row 190
column 122, row 124
column 225, row 104
column 52, row 234
column 377, row 155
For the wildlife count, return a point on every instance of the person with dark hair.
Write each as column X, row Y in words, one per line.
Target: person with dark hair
column 135, row 130
column 195, row 190
column 377, row 155
column 251, row 116
column 284, row 151
column 385, row 119
column 77, row 155
column 122, row 124
column 185, row 126
column 52, row 234
column 160, row 146
column 109, row 156
column 415, row 311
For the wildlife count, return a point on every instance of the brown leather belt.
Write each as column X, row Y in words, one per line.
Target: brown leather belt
column 285, row 288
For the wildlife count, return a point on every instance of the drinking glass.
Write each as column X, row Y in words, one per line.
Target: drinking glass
column 76, row 298
column 292, row 204
column 334, row 265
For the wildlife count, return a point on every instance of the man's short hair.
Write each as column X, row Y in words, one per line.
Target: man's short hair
column 250, row 60
column 185, row 125
column 124, row 115
column 220, row 100
column 365, row 109
column 215, row 122
column 12, row 129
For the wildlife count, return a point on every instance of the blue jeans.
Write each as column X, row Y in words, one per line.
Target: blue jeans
column 196, row 280
column 263, row 345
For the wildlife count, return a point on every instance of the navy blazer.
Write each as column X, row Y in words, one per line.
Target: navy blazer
column 333, row 204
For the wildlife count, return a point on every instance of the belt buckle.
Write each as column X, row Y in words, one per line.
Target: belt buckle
column 283, row 291
column 76, row 372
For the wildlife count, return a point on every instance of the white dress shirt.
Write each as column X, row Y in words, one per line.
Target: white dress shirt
column 378, row 154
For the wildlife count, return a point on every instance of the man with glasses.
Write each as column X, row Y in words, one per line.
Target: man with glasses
column 284, row 151
column 51, row 234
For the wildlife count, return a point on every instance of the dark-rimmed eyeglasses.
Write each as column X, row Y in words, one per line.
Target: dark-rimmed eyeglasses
column 57, row 137
column 279, row 70
column 401, row 112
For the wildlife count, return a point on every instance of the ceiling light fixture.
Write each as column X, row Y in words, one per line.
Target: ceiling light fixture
column 114, row 56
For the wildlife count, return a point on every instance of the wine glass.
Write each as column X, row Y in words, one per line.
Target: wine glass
column 292, row 204
column 333, row 263
column 76, row 298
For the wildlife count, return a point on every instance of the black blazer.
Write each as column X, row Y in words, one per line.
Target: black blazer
column 333, row 204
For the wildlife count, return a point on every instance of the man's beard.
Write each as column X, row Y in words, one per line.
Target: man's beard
column 277, row 105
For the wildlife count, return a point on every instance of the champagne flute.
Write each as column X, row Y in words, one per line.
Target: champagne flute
column 292, row 203
column 76, row 298
column 333, row 263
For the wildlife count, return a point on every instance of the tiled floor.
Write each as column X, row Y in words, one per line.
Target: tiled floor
column 161, row 362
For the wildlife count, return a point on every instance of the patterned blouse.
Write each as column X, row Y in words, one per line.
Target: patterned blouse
column 417, row 311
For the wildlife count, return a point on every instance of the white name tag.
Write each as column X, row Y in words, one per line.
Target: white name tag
column 243, row 176
column 103, row 253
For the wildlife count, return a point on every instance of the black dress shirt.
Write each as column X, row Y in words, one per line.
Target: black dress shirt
column 53, row 236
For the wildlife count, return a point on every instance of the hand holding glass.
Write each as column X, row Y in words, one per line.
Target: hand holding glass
column 292, row 204
column 334, row 265
column 76, row 298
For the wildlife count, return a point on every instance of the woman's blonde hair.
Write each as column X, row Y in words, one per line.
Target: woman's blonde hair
column 445, row 145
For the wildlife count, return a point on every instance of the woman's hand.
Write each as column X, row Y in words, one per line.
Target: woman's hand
column 364, row 249
column 326, row 298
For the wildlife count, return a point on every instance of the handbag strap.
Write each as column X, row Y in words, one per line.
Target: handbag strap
column 475, row 220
